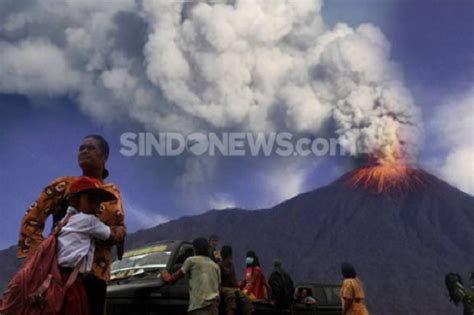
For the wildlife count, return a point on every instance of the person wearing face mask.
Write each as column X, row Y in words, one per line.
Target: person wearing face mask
column 254, row 285
column 231, row 295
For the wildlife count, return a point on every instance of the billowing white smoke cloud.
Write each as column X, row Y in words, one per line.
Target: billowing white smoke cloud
column 453, row 124
column 186, row 66
column 35, row 67
column 251, row 65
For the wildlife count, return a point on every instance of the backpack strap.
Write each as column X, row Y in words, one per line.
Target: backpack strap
column 61, row 224
column 37, row 296
column 73, row 276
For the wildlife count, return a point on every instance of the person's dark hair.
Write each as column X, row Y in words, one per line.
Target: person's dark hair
column 213, row 237
column 277, row 263
column 201, row 246
column 252, row 254
column 226, row 251
column 104, row 148
column 348, row 271
column 72, row 200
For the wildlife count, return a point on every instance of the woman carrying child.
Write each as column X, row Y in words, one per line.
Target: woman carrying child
column 92, row 156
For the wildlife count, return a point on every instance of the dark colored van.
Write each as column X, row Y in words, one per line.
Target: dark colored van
column 136, row 287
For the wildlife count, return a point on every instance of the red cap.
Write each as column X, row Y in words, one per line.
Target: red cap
column 90, row 185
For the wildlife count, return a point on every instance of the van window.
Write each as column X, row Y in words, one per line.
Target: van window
column 185, row 251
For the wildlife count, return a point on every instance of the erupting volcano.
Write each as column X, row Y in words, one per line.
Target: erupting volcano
column 387, row 171
column 386, row 178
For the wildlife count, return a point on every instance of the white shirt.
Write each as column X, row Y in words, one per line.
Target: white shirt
column 75, row 241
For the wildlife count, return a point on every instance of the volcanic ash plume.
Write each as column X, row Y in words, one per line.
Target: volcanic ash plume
column 181, row 66
column 238, row 65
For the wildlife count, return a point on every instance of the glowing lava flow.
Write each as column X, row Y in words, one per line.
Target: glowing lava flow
column 387, row 169
column 387, row 177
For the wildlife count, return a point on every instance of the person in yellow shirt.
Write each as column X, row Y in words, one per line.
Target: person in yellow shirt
column 92, row 156
column 352, row 292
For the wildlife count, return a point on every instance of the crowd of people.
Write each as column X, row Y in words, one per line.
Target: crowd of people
column 213, row 283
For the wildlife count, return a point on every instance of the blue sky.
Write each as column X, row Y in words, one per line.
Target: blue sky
column 431, row 41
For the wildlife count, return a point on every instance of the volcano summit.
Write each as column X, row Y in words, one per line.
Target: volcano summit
column 387, row 178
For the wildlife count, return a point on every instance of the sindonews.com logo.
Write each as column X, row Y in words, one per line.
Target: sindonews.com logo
column 282, row 144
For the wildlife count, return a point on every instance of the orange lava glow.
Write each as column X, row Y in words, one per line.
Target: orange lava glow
column 387, row 170
column 387, row 177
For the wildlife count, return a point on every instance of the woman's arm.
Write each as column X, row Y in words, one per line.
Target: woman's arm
column 347, row 295
column 252, row 281
column 118, row 230
column 346, row 306
column 33, row 221
column 243, row 283
column 117, row 224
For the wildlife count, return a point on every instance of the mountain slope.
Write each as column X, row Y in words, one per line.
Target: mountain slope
column 402, row 245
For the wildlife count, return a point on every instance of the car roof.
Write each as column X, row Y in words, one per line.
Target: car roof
column 317, row 284
column 172, row 245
